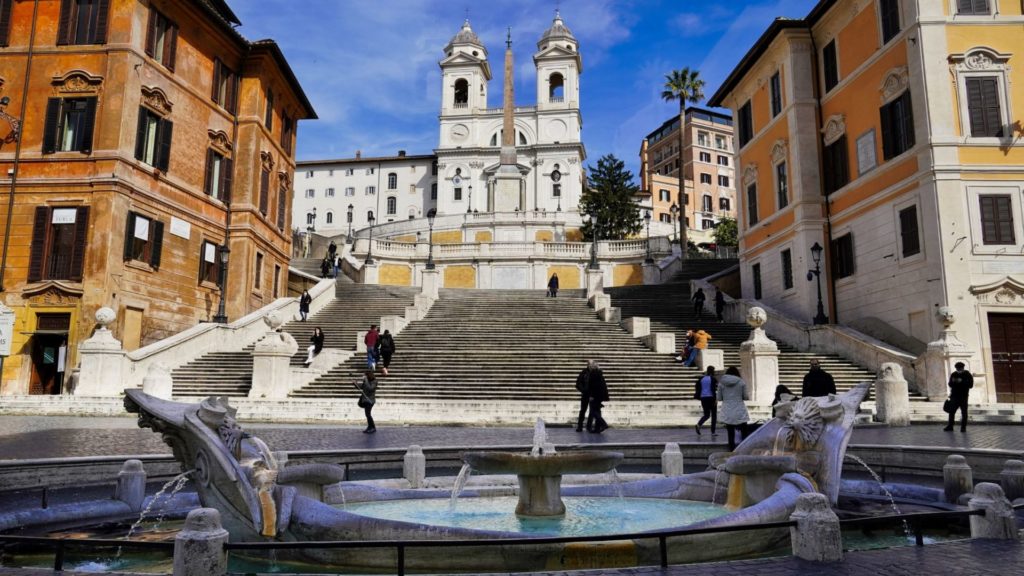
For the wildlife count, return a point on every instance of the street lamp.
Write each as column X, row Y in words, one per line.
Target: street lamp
column 221, row 317
column 592, row 218
column 816, row 251
column 430, row 238
column 469, row 206
column 369, row 248
column 350, row 208
column 675, row 214
column 312, row 224
column 683, row 243
column 647, row 219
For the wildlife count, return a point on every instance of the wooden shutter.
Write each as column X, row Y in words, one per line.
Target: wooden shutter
column 50, row 125
column 885, row 112
column 227, row 170
column 996, row 219
column 208, row 179
column 165, row 130
column 171, row 46
column 6, row 6
column 282, row 199
column 102, row 16
column 264, row 191
column 80, row 242
column 151, row 32
column 830, row 65
column 268, row 116
column 230, row 99
column 907, row 121
column 37, row 252
column 88, row 125
column 129, row 235
column 140, row 135
column 67, row 9
column 215, row 93
column 157, row 238
column 202, row 262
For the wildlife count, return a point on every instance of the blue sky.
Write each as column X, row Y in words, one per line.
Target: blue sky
column 370, row 66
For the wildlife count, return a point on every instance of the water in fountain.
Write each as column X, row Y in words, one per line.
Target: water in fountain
column 459, row 485
column 892, row 500
column 616, row 482
column 182, row 480
column 540, row 440
column 145, row 511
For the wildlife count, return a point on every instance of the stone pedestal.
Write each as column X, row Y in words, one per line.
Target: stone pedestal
column 652, row 274
column 131, row 485
column 102, row 361
column 957, row 478
column 199, row 547
column 595, row 282
column 999, row 521
column 394, row 324
column 271, row 370
column 892, row 400
column 661, row 342
column 816, row 536
column 414, row 466
column 1012, row 479
column 540, row 496
column 600, row 301
column 637, row 326
column 610, row 314
column 158, row 382
column 939, row 360
column 759, row 360
column 371, row 273
column 672, row 460
column 431, row 283
column 508, row 191
column 713, row 357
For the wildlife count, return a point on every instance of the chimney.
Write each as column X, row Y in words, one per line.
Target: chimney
column 401, row 153
column 359, row 154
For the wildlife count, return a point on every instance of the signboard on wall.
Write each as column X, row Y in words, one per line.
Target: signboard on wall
column 6, row 330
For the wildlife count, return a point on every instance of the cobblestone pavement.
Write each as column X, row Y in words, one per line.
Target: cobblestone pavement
column 23, row 437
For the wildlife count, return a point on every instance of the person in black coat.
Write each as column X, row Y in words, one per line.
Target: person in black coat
column 598, row 391
column 304, row 303
column 553, row 286
column 706, row 390
column 317, row 345
column 583, row 387
column 386, row 346
column 719, row 305
column 817, row 382
column 960, row 383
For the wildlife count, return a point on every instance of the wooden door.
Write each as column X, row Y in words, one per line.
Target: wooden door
column 45, row 355
column 1006, row 332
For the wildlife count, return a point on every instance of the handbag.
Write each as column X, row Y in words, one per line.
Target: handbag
column 948, row 406
column 364, row 402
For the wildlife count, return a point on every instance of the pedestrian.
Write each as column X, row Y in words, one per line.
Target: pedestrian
column 386, row 345
column 553, row 286
column 698, row 302
column 332, row 249
column 583, row 387
column 325, row 268
column 688, row 342
column 782, row 394
column 960, row 383
column 817, row 382
column 367, row 398
column 317, row 345
column 732, row 391
column 304, row 301
column 337, row 264
column 719, row 305
column 371, row 347
column 700, row 342
column 597, row 389
column 706, row 390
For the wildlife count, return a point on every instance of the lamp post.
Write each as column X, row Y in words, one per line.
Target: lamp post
column 675, row 214
column 592, row 218
column 469, row 205
column 369, row 247
column 350, row 208
column 816, row 251
column 647, row 219
column 312, row 225
column 430, row 238
column 221, row 317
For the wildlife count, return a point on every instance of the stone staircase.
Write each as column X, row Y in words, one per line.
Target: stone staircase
column 311, row 266
column 354, row 308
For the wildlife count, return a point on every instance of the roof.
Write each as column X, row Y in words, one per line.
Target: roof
column 464, row 36
column 366, row 159
column 286, row 70
column 670, row 124
column 557, row 30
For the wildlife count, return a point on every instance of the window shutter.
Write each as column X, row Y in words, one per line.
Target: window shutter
column 5, row 21
column 990, row 107
column 264, row 191
column 158, row 244
column 165, row 129
column 232, row 89
column 129, row 235
column 202, row 263
column 38, row 250
column 64, row 26
column 171, row 49
column 50, row 125
column 208, row 179
column 80, row 242
column 268, row 118
column 140, row 135
column 886, row 120
column 88, row 125
column 227, row 170
column 964, row 6
column 215, row 93
column 907, row 119
column 282, row 199
column 103, row 9
column 151, row 32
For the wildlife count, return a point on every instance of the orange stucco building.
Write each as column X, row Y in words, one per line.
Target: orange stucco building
column 142, row 136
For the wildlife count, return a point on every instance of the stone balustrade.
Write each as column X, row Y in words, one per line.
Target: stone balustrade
column 616, row 250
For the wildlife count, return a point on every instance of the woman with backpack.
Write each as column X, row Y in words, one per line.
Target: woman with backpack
column 386, row 346
column 367, row 398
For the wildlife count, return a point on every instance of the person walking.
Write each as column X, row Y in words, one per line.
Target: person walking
column 583, row 387
column 719, row 305
column 960, row 383
column 304, row 301
column 370, row 340
column 336, row 260
column 698, row 302
column 325, row 268
column 817, row 382
column 700, row 342
column 597, row 389
column 706, row 390
column 317, row 345
column 553, row 286
column 732, row 391
column 332, row 249
column 367, row 398
column 386, row 345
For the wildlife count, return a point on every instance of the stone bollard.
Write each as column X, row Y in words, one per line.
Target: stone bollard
column 892, row 399
column 672, row 460
column 158, row 381
column 414, row 466
column 999, row 521
column 957, row 478
column 759, row 360
column 1012, row 479
column 131, row 485
column 816, row 536
column 199, row 547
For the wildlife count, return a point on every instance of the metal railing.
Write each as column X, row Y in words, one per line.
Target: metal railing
column 59, row 544
column 916, row 521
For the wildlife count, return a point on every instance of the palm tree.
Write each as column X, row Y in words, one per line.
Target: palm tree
column 687, row 87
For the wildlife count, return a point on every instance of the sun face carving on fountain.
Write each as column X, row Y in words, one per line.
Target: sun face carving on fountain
column 803, row 425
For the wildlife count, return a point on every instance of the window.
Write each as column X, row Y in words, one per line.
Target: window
column 392, row 181
column 309, row 174
column 752, row 204
column 277, row 280
column 433, row 191
column 705, row 157
column 371, row 190
column 970, row 7
column 831, row 64
column 350, row 172
column 721, row 143
column 268, row 113
column 257, row 281
column 723, row 160
column 370, row 171
column 143, row 239
column 461, row 93
column 842, row 256
column 330, row 217
column 6, row 7
column 756, row 272
column 897, row 126
column 723, row 204
column 702, row 139
column 161, row 39
column 264, row 191
column 705, row 178
column 350, row 191
column 556, row 88
column 286, row 133
column 329, row 193
column 392, row 205
column 310, row 219
column 836, row 165
column 664, row 195
column 209, row 262
column 889, row 11
column 310, row 193
column 153, row 139
column 59, row 237
column 706, row 224
column 224, row 87
column 556, row 190
column 782, row 185
column 69, row 125
column 664, row 217
column 218, row 176
column 522, row 139
column 83, row 22
column 996, row 219
column 787, row 269
column 458, row 194
column 909, row 236
column 983, row 109
column 706, row 203
column 776, row 89
column 369, row 215
column 745, row 125
column 723, row 181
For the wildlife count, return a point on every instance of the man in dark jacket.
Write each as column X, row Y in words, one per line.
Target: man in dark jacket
column 583, row 386
column 817, row 382
column 386, row 349
column 598, row 390
column 960, row 383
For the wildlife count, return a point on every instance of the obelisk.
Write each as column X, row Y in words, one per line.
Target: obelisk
column 508, row 182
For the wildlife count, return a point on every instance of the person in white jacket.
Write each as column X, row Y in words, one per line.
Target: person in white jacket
column 732, row 391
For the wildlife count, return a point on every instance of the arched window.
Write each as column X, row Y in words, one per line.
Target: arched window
column 392, row 181
column 556, row 88
column 369, row 215
column 522, row 139
column 412, row 212
column 461, row 93
column 494, row 139
column 330, row 218
column 392, row 205
column 310, row 219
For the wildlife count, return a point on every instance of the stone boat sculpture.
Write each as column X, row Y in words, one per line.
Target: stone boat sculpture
column 800, row 451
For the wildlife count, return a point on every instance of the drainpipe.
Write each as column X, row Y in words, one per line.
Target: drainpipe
column 834, row 316
column 17, row 147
